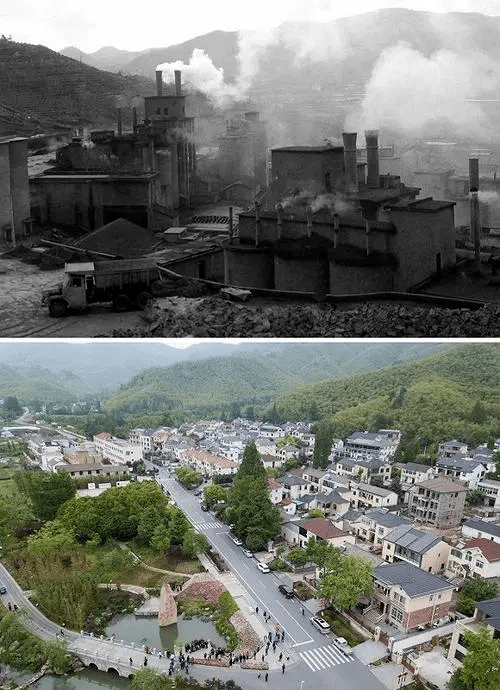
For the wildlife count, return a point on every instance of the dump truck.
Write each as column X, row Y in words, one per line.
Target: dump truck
column 126, row 284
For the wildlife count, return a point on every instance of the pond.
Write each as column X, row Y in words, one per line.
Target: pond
column 84, row 680
column 145, row 630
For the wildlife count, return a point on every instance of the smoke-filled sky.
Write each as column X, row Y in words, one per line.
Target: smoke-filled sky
column 92, row 24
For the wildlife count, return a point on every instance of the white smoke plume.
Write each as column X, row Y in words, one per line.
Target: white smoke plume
column 332, row 202
column 204, row 76
column 408, row 90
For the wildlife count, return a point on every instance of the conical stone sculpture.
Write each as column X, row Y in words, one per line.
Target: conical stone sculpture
column 167, row 613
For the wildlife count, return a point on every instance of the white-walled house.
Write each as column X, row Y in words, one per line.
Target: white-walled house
column 475, row 528
column 370, row 496
column 475, row 558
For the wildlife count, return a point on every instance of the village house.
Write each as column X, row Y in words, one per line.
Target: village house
column 361, row 466
column 475, row 528
column 376, row 523
column 207, row 464
column 275, row 489
column 314, row 476
column 271, row 461
column 409, row 597
column 91, row 469
column 475, row 558
column 450, row 448
column 371, row 496
column 486, row 617
column 293, row 486
column 425, row 550
column 266, row 446
column 438, row 502
column 298, row 533
column 287, row 452
column 383, row 443
column 491, row 495
column 143, row 438
column 468, row 471
column 116, row 449
column 415, row 472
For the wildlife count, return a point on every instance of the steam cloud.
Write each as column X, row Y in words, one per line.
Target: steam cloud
column 332, row 202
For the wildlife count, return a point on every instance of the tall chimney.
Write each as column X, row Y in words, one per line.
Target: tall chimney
column 373, row 176
column 230, row 224
column 159, row 82
column 336, row 229
column 178, row 83
column 350, row 162
column 475, row 221
column 134, row 120
column 119, row 126
column 257, row 224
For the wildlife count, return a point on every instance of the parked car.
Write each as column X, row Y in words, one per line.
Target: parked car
column 3, row 590
column 321, row 624
column 198, row 492
column 341, row 643
column 286, row 591
column 237, row 541
column 248, row 553
column 204, row 508
column 263, row 568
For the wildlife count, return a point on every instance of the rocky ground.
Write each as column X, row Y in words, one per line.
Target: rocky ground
column 213, row 317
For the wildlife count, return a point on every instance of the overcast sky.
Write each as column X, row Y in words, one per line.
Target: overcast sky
column 91, row 24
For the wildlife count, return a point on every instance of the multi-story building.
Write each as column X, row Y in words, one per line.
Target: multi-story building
column 468, row 471
column 143, row 438
column 375, row 524
column 91, row 470
column 450, row 448
column 371, row 496
column 208, row 464
column 414, row 473
column 299, row 532
column 410, row 597
column 475, row 528
column 363, row 442
column 475, row 558
column 486, row 617
column 117, row 449
column 438, row 502
column 426, row 551
column 491, row 495
column 362, row 466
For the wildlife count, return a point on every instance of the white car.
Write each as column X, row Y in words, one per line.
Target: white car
column 321, row 624
column 341, row 643
column 237, row 541
column 247, row 553
column 263, row 568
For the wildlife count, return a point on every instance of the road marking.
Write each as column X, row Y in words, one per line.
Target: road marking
column 324, row 657
column 299, row 644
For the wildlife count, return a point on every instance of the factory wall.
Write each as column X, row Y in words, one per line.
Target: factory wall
column 349, row 280
column 424, row 244
column 14, row 188
column 206, row 266
column 306, row 170
column 305, row 274
column 236, row 158
column 165, row 107
column 247, row 266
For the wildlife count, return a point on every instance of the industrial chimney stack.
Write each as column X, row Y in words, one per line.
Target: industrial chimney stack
column 119, row 126
column 178, row 83
column 373, row 175
column 475, row 221
column 350, row 162
column 159, row 82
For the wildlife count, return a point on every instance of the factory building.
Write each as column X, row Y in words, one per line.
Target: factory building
column 144, row 176
column 330, row 224
column 243, row 155
column 15, row 215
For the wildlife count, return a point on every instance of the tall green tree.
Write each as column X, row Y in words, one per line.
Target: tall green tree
column 344, row 579
column 46, row 491
column 11, row 407
column 193, row 543
column 251, row 464
column 481, row 665
column 474, row 590
column 54, row 536
column 325, row 433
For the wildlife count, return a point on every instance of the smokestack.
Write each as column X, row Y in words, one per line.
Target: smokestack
column 309, row 221
column 119, row 126
column 368, row 231
column 373, row 175
column 350, row 162
column 230, row 225
column 159, row 82
column 178, row 83
column 279, row 220
column 475, row 221
column 134, row 120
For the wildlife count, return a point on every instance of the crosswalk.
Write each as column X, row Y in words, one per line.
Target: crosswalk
column 324, row 657
column 208, row 525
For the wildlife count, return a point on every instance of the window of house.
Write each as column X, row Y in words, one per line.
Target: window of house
column 479, row 564
column 468, row 556
column 397, row 614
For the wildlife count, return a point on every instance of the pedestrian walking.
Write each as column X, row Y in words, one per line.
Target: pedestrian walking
column 282, row 635
column 10, row 607
column 280, row 656
column 131, row 661
column 283, row 669
column 145, row 661
column 262, row 658
column 302, row 611
column 256, row 609
column 266, row 676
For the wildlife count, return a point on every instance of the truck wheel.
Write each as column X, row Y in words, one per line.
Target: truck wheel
column 57, row 308
column 143, row 300
column 121, row 303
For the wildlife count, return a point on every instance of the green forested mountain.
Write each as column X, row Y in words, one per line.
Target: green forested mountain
column 435, row 397
column 252, row 375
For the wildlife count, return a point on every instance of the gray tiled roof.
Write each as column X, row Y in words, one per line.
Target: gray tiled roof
column 413, row 539
column 491, row 609
column 458, row 462
column 483, row 526
column 384, row 517
column 416, row 467
column 413, row 580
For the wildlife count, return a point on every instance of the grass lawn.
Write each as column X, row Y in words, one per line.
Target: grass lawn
column 342, row 628
column 7, row 486
column 174, row 561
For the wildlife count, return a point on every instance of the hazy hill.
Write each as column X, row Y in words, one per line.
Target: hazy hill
column 253, row 375
column 41, row 89
column 108, row 58
column 434, row 395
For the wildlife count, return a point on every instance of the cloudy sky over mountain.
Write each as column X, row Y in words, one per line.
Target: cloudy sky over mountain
column 91, row 24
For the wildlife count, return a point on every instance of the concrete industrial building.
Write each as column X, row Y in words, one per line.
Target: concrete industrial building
column 15, row 214
column 325, row 226
column 438, row 502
